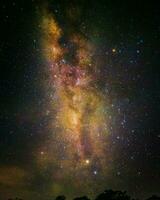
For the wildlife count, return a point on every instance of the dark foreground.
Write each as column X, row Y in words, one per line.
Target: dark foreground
column 106, row 195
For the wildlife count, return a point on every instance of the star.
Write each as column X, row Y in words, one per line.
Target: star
column 87, row 161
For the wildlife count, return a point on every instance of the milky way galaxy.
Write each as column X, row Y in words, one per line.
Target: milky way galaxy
column 79, row 92
column 80, row 125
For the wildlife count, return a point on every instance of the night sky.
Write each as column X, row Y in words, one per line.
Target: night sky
column 79, row 98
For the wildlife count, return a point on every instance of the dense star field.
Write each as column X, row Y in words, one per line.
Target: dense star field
column 79, row 99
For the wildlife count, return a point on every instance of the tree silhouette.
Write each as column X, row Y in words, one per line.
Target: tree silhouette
column 154, row 197
column 106, row 195
column 113, row 195
column 61, row 197
column 15, row 199
column 81, row 198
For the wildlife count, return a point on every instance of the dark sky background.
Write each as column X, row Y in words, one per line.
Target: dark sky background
column 133, row 84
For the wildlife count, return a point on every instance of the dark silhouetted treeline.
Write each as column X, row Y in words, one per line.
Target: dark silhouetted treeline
column 106, row 195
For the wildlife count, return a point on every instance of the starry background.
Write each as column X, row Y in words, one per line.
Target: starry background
column 126, row 36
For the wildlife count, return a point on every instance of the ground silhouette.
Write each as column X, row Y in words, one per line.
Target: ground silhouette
column 106, row 195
